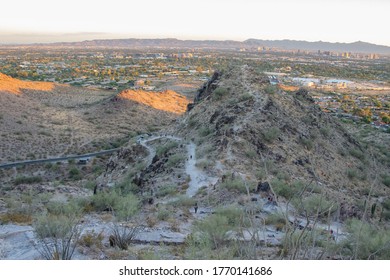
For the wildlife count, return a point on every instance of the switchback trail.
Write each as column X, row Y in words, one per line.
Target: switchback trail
column 198, row 178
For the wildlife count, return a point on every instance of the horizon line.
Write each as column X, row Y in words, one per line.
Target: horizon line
column 127, row 37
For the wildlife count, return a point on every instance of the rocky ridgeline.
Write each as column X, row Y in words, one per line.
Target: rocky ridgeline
column 262, row 134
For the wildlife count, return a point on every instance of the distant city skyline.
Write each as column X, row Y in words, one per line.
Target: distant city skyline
column 43, row 21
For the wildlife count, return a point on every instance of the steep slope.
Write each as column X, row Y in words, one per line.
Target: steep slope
column 16, row 86
column 40, row 120
column 168, row 100
column 243, row 125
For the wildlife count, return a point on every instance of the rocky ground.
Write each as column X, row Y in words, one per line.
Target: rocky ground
column 248, row 172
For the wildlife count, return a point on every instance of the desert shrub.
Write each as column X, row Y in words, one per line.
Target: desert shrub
column 123, row 206
column 281, row 175
column 276, row 219
column 386, row 215
column 215, row 228
column 204, row 150
column 260, row 174
column 234, row 184
column 365, row 241
column 166, row 190
column 219, row 93
column 325, row 131
column 58, row 236
column 281, row 188
column 92, row 239
column 16, row 216
column 357, row 154
column 121, row 236
column 270, row 89
column 245, row 97
column 71, row 208
column 314, row 205
column 127, row 186
column 90, row 185
column 204, row 164
column 183, row 200
column 175, row 159
column 306, row 142
column 28, row 180
column 386, row 204
column 75, row 174
column 271, row 134
column 163, row 214
column 386, row 180
column 235, row 216
column 351, row 173
column 204, row 131
column 161, row 150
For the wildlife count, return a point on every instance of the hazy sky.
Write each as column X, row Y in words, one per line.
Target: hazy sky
column 23, row 21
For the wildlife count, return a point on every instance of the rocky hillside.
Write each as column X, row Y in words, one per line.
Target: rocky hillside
column 168, row 100
column 251, row 171
column 40, row 120
column 246, row 126
column 16, row 86
column 247, row 172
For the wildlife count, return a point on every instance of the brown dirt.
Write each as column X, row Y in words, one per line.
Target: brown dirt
column 168, row 100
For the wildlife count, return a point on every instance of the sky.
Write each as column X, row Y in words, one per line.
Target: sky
column 41, row 21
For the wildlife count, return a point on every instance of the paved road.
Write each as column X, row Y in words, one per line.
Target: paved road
column 64, row 158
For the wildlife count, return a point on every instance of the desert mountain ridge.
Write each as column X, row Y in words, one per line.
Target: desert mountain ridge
column 167, row 100
column 358, row 47
column 15, row 86
column 43, row 119
column 244, row 128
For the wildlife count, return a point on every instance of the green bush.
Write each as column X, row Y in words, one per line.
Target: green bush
column 270, row 89
column 219, row 93
column 69, row 209
column 386, row 180
column 314, row 205
column 166, row 190
column 214, row 228
column 163, row 214
column 175, row 159
column 183, row 200
column 75, row 174
column 365, row 241
column 386, row 204
column 235, row 216
column 325, row 131
column 245, row 96
column 271, row 134
column 236, row 184
column 357, row 154
column 28, row 180
column 204, row 131
column 122, row 236
column 161, row 150
column 352, row 173
column 307, row 143
column 58, row 236
column 123, row 206
column 281, row 188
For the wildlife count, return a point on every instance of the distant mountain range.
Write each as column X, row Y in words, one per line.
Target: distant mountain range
column 356, row 47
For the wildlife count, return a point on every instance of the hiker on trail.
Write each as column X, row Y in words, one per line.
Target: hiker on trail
column 196, row 207
column 332, row 235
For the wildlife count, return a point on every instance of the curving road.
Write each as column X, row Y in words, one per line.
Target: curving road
column 64, row 158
